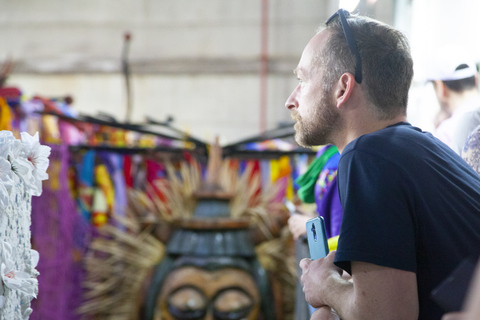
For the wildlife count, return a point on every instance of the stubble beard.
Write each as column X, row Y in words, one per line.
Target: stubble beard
column 318, row 129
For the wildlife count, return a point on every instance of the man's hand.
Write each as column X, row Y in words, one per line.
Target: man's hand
column 296, row 225
column 314, row 275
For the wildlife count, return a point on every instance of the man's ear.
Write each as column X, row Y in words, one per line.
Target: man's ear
column 344, row 89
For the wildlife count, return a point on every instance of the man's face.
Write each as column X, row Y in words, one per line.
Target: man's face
column 313, row 107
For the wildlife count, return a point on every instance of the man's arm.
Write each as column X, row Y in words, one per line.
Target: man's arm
column 374, row 292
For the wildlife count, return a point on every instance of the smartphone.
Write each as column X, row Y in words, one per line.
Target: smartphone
column 317, row 238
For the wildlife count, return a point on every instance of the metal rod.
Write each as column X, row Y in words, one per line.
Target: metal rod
column 126, row 74
column 264, row 67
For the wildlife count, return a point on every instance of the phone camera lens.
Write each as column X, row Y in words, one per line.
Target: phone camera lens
column 314, row 232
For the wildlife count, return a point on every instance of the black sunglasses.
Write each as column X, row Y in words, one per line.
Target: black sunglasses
column 342, row 13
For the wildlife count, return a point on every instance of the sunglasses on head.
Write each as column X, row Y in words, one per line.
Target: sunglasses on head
column 343, row 14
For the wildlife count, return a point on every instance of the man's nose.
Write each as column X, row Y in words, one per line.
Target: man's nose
column 292, row 102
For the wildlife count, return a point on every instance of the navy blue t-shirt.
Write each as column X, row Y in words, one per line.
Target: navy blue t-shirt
column 410, row 203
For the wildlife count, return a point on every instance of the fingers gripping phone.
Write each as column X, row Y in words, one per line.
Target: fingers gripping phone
column 317, row 238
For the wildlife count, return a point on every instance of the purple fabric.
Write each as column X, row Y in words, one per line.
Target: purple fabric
column 331, row 210
column 326, row 196
column 58, row 234
column 120, row 187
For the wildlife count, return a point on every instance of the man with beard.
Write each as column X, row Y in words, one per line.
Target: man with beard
column 411, row 204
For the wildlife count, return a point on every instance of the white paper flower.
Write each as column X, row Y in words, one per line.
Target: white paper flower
column 37, row 155
column 6, row 173
column 6, row 139
column 20, row 165
column 18, row 280
column 14, row 279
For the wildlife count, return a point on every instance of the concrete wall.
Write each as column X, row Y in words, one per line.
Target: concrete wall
column 198, row 61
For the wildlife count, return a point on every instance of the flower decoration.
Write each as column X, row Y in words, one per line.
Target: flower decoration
column 6, row 173
column 12, row 278
column 27, row 158
column 25, row 308
column 26, row 313
column 20, row 165
column 37, row 155
column 6, row 138
column 6, row 181
column 35, row 258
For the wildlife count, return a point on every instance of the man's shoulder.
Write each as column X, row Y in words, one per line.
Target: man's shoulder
column 389, row 140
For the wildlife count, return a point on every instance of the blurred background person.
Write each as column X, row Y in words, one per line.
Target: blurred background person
column 455, row 81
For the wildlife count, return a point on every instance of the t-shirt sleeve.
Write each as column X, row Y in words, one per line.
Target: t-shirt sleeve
column 378, row 206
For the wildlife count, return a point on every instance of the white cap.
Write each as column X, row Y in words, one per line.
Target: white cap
column 445, row 64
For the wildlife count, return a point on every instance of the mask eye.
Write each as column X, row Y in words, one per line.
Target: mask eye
column 187, row 303
column 232, row 304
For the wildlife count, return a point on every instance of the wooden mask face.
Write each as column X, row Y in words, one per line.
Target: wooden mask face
column 193, row 293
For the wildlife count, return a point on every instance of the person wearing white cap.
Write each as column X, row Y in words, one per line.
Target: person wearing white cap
column 455, row 80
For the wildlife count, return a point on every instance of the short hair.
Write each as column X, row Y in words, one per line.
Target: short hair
column 461, row 85
column 386, row 62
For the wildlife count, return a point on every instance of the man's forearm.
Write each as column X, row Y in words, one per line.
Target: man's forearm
column 339, row 294
column 373, row 293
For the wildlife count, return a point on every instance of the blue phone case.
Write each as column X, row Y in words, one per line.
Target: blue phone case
column 317, row 238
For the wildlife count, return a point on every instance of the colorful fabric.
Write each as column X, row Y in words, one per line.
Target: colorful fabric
column 85, row 187
column 326, row 196
column 308, row 180
column 156, row 175
column 5, row 116
column 127, row 171
column 120, row 187
column 281, row 170
column 60, row 235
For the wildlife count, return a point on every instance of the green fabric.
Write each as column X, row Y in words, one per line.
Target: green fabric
column 307, row 181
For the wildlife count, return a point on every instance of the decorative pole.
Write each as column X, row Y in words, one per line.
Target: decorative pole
column 126, row 73
column 264, row 67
